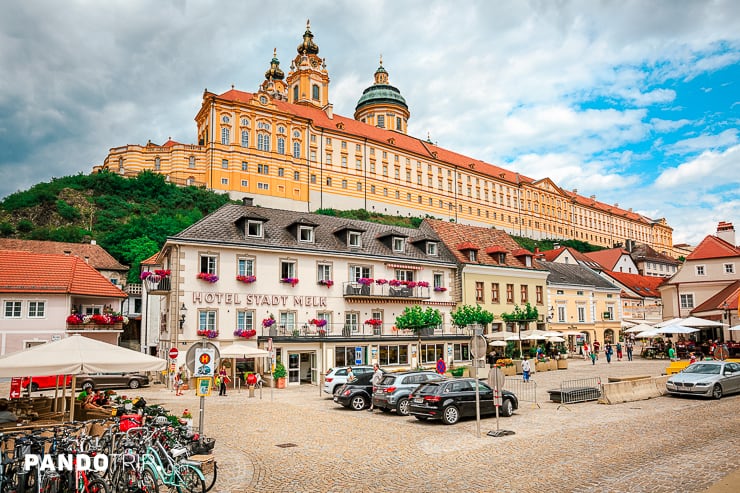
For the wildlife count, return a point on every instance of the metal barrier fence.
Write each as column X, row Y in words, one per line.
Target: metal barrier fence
column 580, row 390
column 524, row 391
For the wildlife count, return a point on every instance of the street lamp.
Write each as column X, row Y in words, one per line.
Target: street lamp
column 183, row 312
column 728, row 315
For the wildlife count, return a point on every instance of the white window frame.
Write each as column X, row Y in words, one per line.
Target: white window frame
column 207, row 319
column 225, row 136
column 404, row 274
column 254, row 229
column 245, row 320
column 359, row 271
column 305, row 234
column 686, row 301
column 399, row 244
column 729, row 268
column 323, row 272
column 354, row 239
column 211, row 263
column 562, row 314
column 40, row 309
column 700, row 270
column 245, row 266
column 287, row 269
column 288, row 320
column 12, row 304
column 432, row 248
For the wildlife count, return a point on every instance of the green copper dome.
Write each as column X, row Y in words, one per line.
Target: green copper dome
column 381, row 94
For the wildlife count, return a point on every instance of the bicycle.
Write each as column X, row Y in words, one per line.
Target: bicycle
column 183, row 475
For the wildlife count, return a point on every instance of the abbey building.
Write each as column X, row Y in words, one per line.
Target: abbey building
column 284, row 146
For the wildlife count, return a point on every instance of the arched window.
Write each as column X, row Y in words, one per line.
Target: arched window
column 225, row 138
column 191, row 162
column 315, row 92
column 296, row 149
column 281, row 145
column 295, row 92
column 263, row 142
column 157, row 163
column 245, row 138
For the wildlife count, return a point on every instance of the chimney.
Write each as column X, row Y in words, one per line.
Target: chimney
column 726, row 231
column 593, row 197
column 247, row 201
column 575, row 190
column 555, row 246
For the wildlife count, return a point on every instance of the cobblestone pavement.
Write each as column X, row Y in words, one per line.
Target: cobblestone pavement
column 658, row 445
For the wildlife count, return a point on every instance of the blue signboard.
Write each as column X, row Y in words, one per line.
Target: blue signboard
column 358, row 355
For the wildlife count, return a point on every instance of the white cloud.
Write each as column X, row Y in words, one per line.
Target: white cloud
column 709, row 168
column 724, row 139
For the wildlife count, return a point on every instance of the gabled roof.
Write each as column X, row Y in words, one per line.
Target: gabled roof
column 728, row 295
column 458, row 238
column 575, row 274
column 553, row 255
column 607, row 258
column 645, row 286
column 713, row 247
column 220, row 228
column 95, row 255
column 646, row 252
column 25, row 272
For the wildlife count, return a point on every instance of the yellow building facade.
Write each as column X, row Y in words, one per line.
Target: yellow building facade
column 284, row 146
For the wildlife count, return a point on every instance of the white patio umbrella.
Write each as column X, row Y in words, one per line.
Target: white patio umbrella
column 737, row 327
column 556, row 339
column 497, row 343
column 647, row 334
column 639, row 328
column 676, row 329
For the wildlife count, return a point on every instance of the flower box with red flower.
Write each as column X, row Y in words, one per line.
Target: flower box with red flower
column 268, row 322
column 326, row 282
column 246, row 279
column 422, row 284
column 318, row 322
column 162, row 272
column 365, row 281
column 381, row 281
column 289, row 280
column 210, row 334
column 245, row 333
column 440, row 289
column 375, row 322
column 395, row 283
column 410, row 284
column 205, row 276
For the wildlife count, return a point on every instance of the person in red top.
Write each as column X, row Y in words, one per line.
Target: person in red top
column 441, row 366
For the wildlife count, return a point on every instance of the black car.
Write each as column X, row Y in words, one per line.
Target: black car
column 357, row 394
column 450, row 400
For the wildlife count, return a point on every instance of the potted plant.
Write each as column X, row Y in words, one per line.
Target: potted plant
column 246, row 279
column 289, row 280
column 326, row 282
column 279, row 375
column 205, row 276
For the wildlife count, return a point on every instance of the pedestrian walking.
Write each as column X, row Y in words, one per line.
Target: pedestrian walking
column 350, row 375
column 692, row 360
column 608, row 352
column 178, row 382
column 378, row 376
column 595, row 350
column 585, row 350
column 630, row 348
column 526, row 368
column 672, row 353
column 593, row 358
column 619, row 351
column 223, row 376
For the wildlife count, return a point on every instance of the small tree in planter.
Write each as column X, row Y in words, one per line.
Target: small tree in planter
column 522, row 317
column 279, row 375
column 416, row 319
column 470, row 315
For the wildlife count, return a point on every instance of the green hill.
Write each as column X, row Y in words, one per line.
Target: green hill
column 129, row 217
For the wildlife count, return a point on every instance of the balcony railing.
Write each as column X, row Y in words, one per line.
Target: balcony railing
column 157, row 284
column 356, row 289
column 94, row 327
column 358, row 331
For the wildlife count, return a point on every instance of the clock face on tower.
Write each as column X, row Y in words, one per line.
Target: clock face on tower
column 314, row 63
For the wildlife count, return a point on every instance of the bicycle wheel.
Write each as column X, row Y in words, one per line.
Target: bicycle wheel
column 192, row 480
column 210, row 477
column 149, row 482
column 97, row 485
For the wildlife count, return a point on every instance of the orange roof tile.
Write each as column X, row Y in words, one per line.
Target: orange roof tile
column 713, row 247
column 96, row 255
column 607, row 258
column 25, row 272
column 466, row 245
column 643, row 285
column 727, row 295
column 151, row 260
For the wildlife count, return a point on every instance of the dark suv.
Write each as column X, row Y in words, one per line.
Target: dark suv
column 356, row 394
column 394, row 389
column 450, row 400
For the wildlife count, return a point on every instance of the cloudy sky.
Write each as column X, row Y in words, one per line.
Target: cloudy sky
column 636, row 102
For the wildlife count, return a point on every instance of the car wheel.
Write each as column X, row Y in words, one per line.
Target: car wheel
column 450, row 415
column 358, row 403
column 507, row 408
column 717, row 391
column 334, row 390
column 34, row 387
column 421, row 418
column 402, row 407
column 134, row 384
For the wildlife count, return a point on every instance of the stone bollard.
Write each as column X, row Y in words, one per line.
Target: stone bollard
column 251, row 391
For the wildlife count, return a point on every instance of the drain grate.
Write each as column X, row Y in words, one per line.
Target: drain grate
column 286, row 445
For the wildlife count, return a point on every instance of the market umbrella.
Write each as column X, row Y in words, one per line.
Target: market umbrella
column 737, row 327
column 497, row 343
column 676, row 329
column 639, row 328
column 556, row 339
column 647, row 334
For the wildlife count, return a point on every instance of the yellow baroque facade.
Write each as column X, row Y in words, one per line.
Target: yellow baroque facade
column 284, row 146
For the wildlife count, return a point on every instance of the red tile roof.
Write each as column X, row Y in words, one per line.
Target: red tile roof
column 466, row 245
column 713, row 247
column 646, row 286
column 456, row 235
column 319, row 118
column 96, row 255
column 522, row 252
column 151, row 260
column 728, row 295
column 607, row 258
column 25, row 272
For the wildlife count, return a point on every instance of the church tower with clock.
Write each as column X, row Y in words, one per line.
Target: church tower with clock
column 308, row 80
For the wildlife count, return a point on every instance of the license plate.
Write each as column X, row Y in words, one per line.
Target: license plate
column 418, row 400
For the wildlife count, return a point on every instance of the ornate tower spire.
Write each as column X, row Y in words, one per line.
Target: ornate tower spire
column 382, row 105
column 273, row 83
column 308, row 79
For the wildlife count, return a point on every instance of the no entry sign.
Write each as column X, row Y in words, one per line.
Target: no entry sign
column 173, row 353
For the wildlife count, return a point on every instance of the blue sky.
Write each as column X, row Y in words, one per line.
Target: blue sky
column 635, row 102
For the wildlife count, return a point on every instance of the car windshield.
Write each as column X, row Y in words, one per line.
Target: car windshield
column 703, row 369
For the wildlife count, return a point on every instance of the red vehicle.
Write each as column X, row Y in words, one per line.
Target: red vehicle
column 45, row 382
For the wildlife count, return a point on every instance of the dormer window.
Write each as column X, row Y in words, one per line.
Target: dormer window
column 432, row 248
column 501, row 258
column 473, row 255
column 399, row 244
column 305, row 234
column 354, row 239
column 254, row 229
